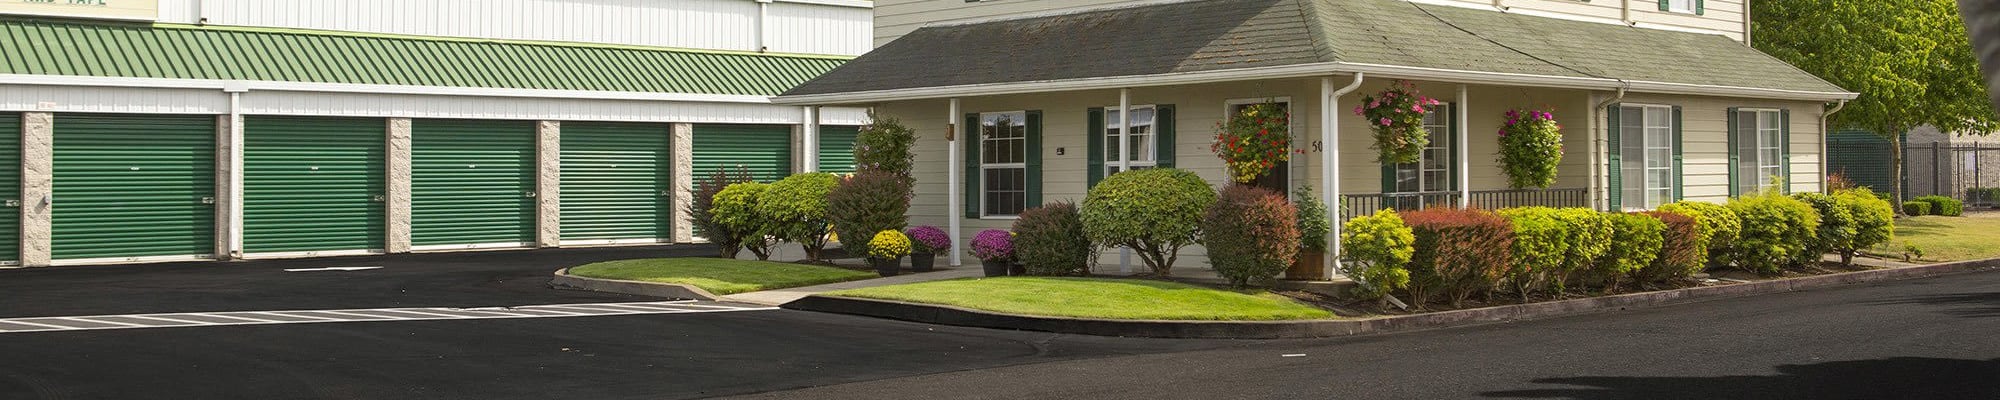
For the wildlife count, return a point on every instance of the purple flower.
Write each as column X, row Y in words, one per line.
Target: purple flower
column 993, row 245
column 929, row 238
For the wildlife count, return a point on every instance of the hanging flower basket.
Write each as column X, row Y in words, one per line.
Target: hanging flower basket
column 1397, row 116
column 1530, row 148
column 1253, row 141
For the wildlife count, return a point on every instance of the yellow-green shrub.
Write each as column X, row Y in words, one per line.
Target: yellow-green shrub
column 1680, row 250
column 1836, row 227
column 1776, row 231
column 1155, row 212
column 796, row 208
column 1541, row 240
column 1377, row 248
column 1874, row 221
column 735, row 210
column 1636, row 242
column 1588, row 239
column 1716, row 228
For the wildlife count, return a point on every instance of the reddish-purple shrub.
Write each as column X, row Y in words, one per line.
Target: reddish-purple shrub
column 1251, row 233
column 1459, row 252
column 1680, row 250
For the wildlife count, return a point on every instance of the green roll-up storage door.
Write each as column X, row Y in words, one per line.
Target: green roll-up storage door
column 616, row 181
column 764, row 150
column 131, row 185
column 472, row 182
column 836, row 148
column 10, row 188
column 313, row 184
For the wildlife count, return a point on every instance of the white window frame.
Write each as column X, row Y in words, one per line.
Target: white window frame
column 1425, row 164
column 1020, row 117
column 1648, row 128
column 1769, row 137
column 1229, row 108
column 1683, row 6
column 1144, row 160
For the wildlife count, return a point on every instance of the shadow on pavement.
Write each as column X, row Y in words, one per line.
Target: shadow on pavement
column 1890, row 378
column 1964, row 304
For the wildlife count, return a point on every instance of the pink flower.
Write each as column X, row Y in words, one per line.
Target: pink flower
column 1374, row 103
column 1357, row 110
column 1385, row 121
column 1417, row 107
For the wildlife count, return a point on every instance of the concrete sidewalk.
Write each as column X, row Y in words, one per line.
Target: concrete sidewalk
column 782, row 296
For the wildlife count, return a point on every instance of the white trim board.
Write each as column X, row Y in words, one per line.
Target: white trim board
column 166, row 83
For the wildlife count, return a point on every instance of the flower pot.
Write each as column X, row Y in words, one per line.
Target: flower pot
column 922, row 262
column 886, row 266
column 1308, row 266
column 1017, row 269
column 994, row 267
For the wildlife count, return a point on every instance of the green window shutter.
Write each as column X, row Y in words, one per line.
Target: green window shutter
column 1785, row 144
column 1616, row 180
column 970, row 139
column 1700, row 8
column 1735, row 154
column 1664, row 6
column 1388, row 178
column 1094, row 151
column 1678, row 192
column 1034, row 159
column 1163, row 135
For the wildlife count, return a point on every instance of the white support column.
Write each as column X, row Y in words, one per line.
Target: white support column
column 398, row 196
column 683, row 153
column 37, row 188
column 548, row 184
column 1464, row 147
column 1329, row 136
column 954, row 195
column 809, row 139
column 1124, row 163
column 228, row 198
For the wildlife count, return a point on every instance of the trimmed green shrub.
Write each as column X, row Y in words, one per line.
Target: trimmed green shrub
column 1836, row 227
column 1944, row 206
column 1589, row 239
column 1916, row 208
column 1459, row 252
column 1636, row 242
column 701, row 211
column 867, row 202
column 1874, row 221
column 1716, row 228
column 1776, row 232
column 1155, row 212
column 1680, row 250
column 1251, row 235
column 1377, row 249
column 796, row 207
column 1313, row 222
column 1049, row 241
column 1541, row 240
column 884, row 145
column 736, row 212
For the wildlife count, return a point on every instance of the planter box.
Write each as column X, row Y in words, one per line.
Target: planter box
column 1309, row 266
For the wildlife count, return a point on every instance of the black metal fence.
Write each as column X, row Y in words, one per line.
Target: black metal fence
column 1968, row 172
column 1355, row 205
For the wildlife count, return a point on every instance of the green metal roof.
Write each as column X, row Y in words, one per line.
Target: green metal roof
column 151, row 51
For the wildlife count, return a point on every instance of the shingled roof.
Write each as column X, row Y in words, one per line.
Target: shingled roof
column 1218, row 35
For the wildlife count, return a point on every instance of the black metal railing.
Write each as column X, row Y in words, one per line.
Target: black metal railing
column 1355, row 205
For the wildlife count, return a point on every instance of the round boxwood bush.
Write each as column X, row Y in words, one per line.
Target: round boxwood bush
column 1715, row 228
column 1588, row 239
column 1837, row 227
column 1680, row 250
column 796, row 207
column 701, row 211
column 1776, row 231
column 1916, row 208
column 1637, row 241
column 866, row 203
column 1874, row 221
column 1251, row 233
column 735, row 211
column 1541, row 240
column 1049, row 241
column 1944, row 206
column 1377, row 250
column 1155, row 212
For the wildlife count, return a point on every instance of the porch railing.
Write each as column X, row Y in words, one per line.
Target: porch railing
column 1355, row 205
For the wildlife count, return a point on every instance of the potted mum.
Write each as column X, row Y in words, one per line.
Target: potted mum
column 1253, row 141
column 1397, row 117
column 926, row 242
column 886, row 251
column 1530, row 148
column 995, row 250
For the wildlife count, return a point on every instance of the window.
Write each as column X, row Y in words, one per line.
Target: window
column 1432, row 173
column 1140, row 141
column 1003, row 163
column 1760, row 150
column 1679, row 6
column 1646, row 156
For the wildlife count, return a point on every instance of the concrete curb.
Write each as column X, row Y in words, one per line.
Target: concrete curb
column 949, row 315
column 563, row 280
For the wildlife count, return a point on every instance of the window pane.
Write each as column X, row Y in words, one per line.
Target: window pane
column 1656, row 198
column 1111, row 145
column 1436, row 181
column 1659, row 158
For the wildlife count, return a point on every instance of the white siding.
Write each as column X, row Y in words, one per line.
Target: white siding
column 1705, row 142
column 49, row 98
column 700, row 24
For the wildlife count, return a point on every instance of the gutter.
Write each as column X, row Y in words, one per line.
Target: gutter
column 1307, row 71
column 1824, row 133
column 1598, row 139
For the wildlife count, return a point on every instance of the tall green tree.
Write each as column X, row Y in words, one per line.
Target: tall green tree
column 1909, row 59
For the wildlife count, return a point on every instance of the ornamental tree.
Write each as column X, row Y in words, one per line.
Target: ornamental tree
column 1909, row 59
column 1155, row 212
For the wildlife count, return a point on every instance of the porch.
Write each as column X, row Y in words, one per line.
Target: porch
column 1356, row 205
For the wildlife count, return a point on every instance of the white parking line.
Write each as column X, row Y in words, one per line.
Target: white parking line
column 276, row 317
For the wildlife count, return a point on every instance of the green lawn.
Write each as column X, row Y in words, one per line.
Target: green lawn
column 1096, row 298
column 719, row 276
column 1971, row 237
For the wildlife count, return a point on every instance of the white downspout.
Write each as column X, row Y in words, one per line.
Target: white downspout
column 1124, row 162
column 763, row 25
column 1625, row 12
column 1464, row 149
column 1746, row 22
column 1598, row 168
column 955, row 195
column 1329, row 176
column 810, row 148
column 1825, row 133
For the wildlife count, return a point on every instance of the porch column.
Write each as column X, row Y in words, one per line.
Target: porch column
column 1464, row 149
column 809, row 146
column 1329, row 135
column 37, row 188
column 1124, row 163
column 954, row 195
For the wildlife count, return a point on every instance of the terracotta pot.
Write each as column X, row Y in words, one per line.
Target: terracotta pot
column 1308, row 266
